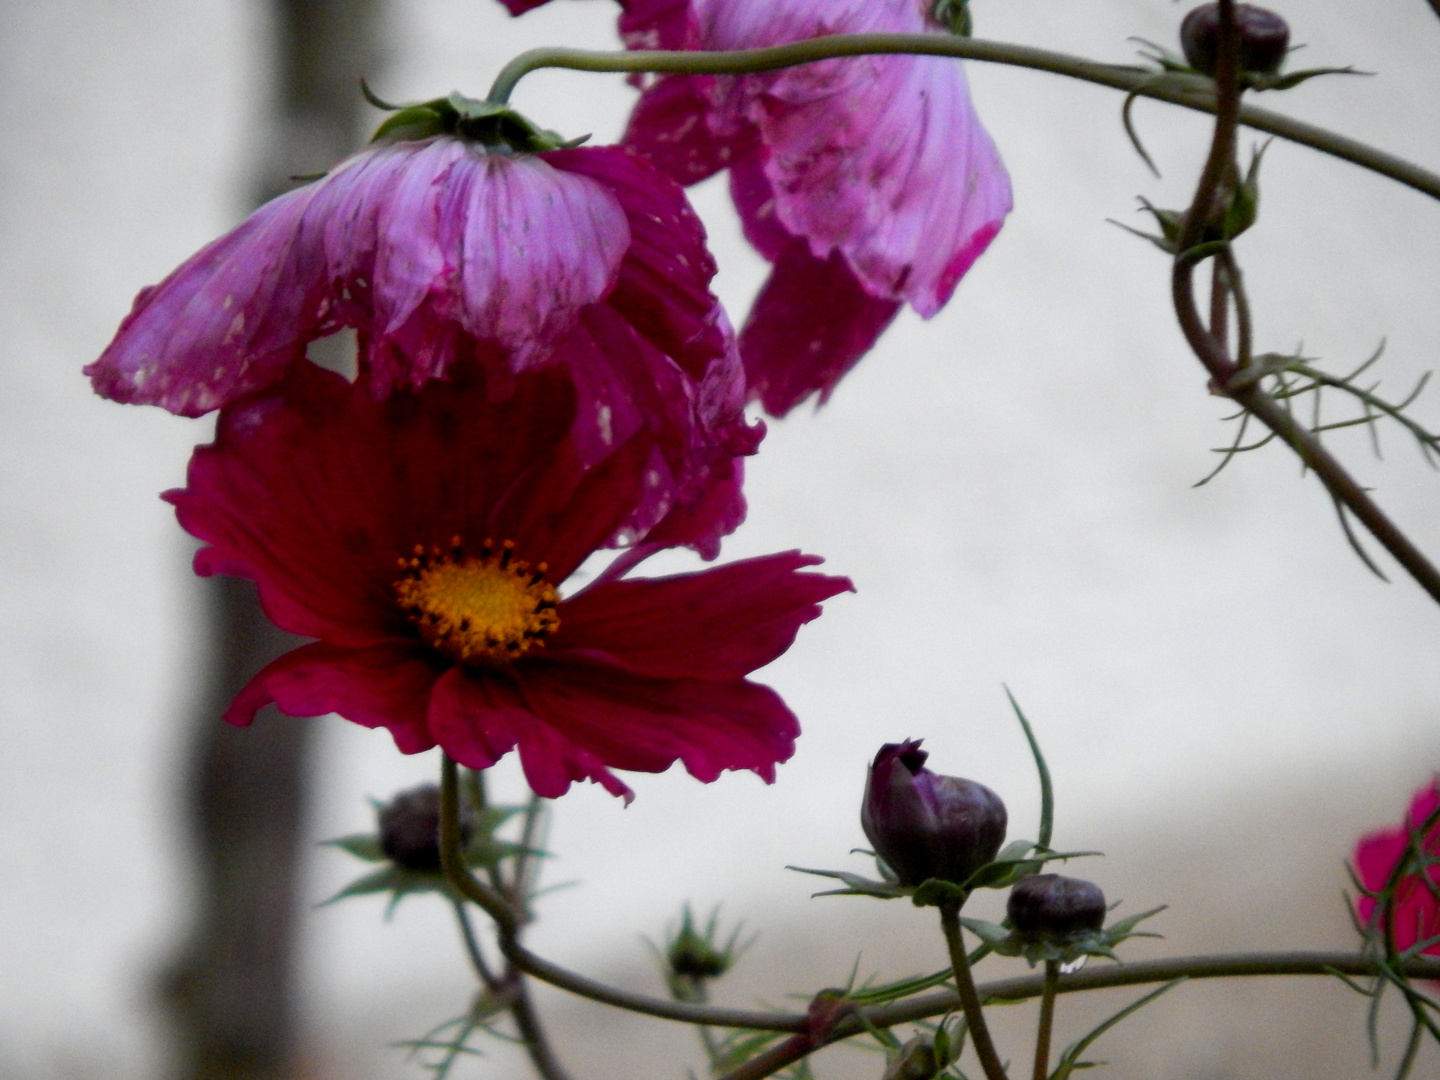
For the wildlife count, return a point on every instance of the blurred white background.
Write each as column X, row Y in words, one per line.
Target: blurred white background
column 1227, row 697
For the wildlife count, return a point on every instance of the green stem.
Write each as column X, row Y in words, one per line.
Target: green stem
column 1188, row 91
column 1047, row 1021
column 969, row 997
column 452, row 855
column 527, row 1021
column 1214, row 354
column 472, row 947
column 1024, row 987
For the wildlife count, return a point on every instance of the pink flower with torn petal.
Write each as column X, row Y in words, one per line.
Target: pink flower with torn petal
column 475, row 237
column 1411, row 916
column 868, row 182
column 427, row 540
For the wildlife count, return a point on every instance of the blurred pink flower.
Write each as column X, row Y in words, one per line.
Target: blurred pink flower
column 867, row 182
column 1415, row 913
column 424, row 539
column 441, row 249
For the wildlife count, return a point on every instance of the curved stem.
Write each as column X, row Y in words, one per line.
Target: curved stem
column 969, row 997
column 452, row 855
column 1223, row 370
column 1188, row 91
column 472, row 947
column 542, row 1056
column 585, row 987
column 1047, row 1021
column 1021, row 988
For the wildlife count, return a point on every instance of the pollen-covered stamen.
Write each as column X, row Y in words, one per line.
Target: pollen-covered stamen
column 483, row 608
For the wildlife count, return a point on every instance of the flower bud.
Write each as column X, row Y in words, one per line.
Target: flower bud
column 1264, row 38
column 1052, row 908
column 410, row 829
column 928, row 826
column 916, row 1060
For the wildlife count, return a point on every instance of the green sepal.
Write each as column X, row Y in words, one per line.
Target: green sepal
column 362, row 845
column 856, row 885
column 496, row 126
column 1003, row 939
column 1020, row 859
column 1255, row 80
column 934, row 893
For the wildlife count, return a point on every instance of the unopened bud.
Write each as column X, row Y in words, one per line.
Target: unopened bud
column 1264, row 38
column 928, row 826
column 916, row 1060
column 1055, row 909
column 410, row 828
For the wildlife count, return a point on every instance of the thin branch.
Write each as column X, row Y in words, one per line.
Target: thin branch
column 1188, row 91
column 472, row 948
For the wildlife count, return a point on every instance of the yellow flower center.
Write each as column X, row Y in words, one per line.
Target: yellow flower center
column 482, row 609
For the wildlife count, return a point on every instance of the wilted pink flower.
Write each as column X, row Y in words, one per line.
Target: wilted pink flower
column 426, row 540
column 1414, row 916
column 867, row 182
column 442, row 249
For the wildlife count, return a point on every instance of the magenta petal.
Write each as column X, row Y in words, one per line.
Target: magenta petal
column 644, row 725
column 658, row 24
column 663, row 284
column 227, row 321
column 519, row 7
column 810, row 325
column 670, row 127
column 536, row 245
column 384, row 686
column 315, row 489
column 720, row 623
column 478, row 717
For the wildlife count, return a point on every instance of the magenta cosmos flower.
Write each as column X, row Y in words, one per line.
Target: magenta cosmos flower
column 868, row 182
column 453, row 247
column 1415, row 914
column 425, row 540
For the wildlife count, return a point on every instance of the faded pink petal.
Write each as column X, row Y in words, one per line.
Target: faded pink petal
column 879, row 165
column 226, row 322
column 440, row 252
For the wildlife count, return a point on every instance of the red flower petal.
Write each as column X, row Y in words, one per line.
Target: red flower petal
column 479, row 717
column 644, row 725
column 720, row 623
column 385, row 686
column 315, row 490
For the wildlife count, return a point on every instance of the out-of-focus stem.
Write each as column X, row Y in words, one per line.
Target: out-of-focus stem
column 1188, row 91
column 1047, row 1020
column 969, row 997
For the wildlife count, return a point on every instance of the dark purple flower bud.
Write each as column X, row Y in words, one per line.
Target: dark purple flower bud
column 1264, row 38
column 1052, row 908
column 928, row 826
column 410, row 829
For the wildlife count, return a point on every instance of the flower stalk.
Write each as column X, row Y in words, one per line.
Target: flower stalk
column 1047, row 1020
column 1188, row 91
column 969, row 996
column 1228, row 376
